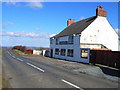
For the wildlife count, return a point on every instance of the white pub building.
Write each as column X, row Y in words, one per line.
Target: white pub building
column 75, row 41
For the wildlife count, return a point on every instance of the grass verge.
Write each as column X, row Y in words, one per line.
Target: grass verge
column 5, row 83
column 0, row 51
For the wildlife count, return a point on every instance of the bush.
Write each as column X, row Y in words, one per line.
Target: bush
column 21, row 48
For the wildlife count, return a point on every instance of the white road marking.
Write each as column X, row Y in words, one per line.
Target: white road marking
column 71, row 84
column 19, row 59
column 13, row 56
column 9, row 53
column 36, row 67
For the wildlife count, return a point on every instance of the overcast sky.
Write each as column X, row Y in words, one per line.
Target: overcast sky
column 32, row 23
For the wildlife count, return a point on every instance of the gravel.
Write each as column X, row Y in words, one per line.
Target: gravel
column 96, row 71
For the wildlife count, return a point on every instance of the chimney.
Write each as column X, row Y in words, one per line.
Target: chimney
column 70, row 21
column 101, row 12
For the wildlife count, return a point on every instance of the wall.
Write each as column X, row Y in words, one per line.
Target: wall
column 100, row 32
column 90, row 46
column 76, row 47
column 109, row 58
column 37, row 52
column 28, row 51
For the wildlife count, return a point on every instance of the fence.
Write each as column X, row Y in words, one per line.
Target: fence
column 109, row 58
column 28, row 51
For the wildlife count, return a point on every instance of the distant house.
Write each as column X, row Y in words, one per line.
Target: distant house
column 77, row 38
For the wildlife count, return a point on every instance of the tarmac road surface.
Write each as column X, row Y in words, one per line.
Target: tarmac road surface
column 23, row 72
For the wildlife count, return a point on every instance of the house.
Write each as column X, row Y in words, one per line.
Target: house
column 75, row 41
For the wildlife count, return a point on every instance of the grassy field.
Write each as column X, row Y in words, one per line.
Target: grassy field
column 23, row 54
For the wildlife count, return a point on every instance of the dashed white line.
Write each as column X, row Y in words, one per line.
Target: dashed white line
column 19, row 59
column 9, row 53
column 13, row 56
column 36, row 67
column 71, row 84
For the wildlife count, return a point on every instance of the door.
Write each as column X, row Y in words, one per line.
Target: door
column 51, row 53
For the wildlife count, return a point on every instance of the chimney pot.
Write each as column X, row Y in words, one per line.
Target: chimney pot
column 100, row 11
column 70, row 21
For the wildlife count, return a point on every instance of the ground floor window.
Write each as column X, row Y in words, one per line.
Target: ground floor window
column 57, row 51
column 84, row 54
column 63, row 51
column 70, row 52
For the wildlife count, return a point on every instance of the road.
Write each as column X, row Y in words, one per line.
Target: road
column 23, row 72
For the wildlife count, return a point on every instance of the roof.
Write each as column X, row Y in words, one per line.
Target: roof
column 76, row 28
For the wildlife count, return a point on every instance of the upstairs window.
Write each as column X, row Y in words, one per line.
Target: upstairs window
column 63, row 51
column 57, row 51
column 57, row 41
column 70, row 52
column 70, row 39
column 51, row 41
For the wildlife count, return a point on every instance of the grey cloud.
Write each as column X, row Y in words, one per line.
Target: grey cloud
column 25, row 34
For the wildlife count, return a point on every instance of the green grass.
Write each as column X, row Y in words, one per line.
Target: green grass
column 0, row 51
column 5, row 83
column 23, row 54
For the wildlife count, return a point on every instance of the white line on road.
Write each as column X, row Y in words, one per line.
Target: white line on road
column 36, row 67
column 71, row 84
column 9, row 53
column 19, row 59
column 13, row 56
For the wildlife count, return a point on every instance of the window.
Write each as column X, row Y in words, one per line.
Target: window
column 70, row 52
column 63, row 42
column 57, row 51
column 84, row 54
column 70, row 39
column 57, row 41
column 51, row 41
column 63, row 52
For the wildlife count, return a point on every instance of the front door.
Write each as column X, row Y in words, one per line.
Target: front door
column 51, row 53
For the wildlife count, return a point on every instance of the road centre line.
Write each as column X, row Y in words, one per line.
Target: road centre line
column 9, row 53
column 28, row 63
column 71, row 84
column 36, row 67
column 13, row 56
column 19, row 59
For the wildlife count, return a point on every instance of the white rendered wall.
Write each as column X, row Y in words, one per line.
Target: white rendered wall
column 100, row 32
column 37, row 52
column 43, row 52
column 76, row 47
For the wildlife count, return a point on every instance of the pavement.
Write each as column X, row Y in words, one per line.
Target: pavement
column 44, row 72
